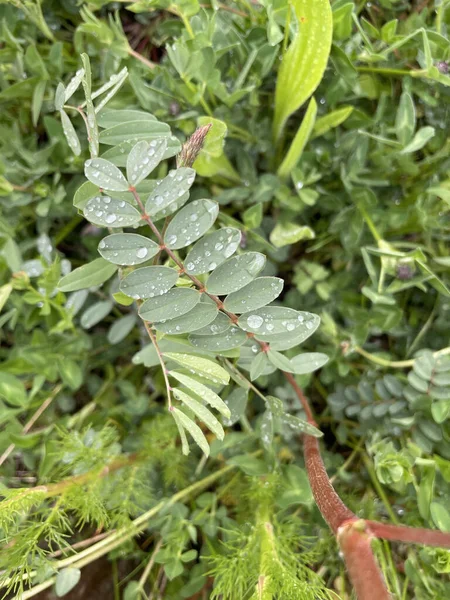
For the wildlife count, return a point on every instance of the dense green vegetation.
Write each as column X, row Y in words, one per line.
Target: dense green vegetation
column 165, row 431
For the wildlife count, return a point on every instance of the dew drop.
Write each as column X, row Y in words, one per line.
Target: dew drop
column 142, row 252
column 110, row 218
column 255, row 321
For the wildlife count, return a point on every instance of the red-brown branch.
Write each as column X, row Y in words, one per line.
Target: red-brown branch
column 414, row 535
column 355, row 543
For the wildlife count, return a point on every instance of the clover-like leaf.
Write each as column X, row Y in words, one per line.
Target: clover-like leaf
column 274, row 320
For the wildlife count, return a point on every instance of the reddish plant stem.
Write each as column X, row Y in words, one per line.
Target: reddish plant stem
column 415, row 535
column 362, row 566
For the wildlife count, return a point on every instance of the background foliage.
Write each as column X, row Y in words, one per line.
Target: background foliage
column 351, row 207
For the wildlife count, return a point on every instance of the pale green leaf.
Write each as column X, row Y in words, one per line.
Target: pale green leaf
column 92, row 274
column 202, row 366
column 258, row 366
column 103, row 173
column 144, row 158
column 121, row 328
column 304, row 63
column 110, row 212
column 301, row 426
column 70, row 133
column 257, row 293
column 59, row 96
column 308, row 362
column 135, row 130
column 95, row 313
column 127, row 248
column 331, row 120
column 220, row 324
column 234, row 273
column 422, row 137
column 203, row 413
column 192, row 428
column 171, row 305
column 405, row 121
column 279, row 360
column 237, row 403
column 203, row 392
column 73, row 84
column 190, row 223
column 170, row 191
column 85, row 192
column 232, row 338
column 284, row 234
column 112, row 116
column 299, row 142
column 148, row 282
column 212, row 250
column 184, row 441
column 274, row 320
column 118, row 154
column 66, row 580
column 201, row 315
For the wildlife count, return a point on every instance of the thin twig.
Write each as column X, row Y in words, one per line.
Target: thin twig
column 32, row 421
column 149, row 565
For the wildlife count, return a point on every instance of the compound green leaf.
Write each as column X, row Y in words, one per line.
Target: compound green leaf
column 127, row 248
column 203, row 392
column 184, row 440
column 103, row 173
column 308, row 362
column 143, row 158
column 232, row 338
column 202, row 366
column 170, row 191
column 192, row 428
column 212, row 250
column 257, row 293
column 201, row 315
column 171, row 305
column 94, row 273
column 236, row 272
column 190, row 223
column 201, row 412
column 135, row 130
column 148, row 282
column 305, row 61
column 109, row 212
